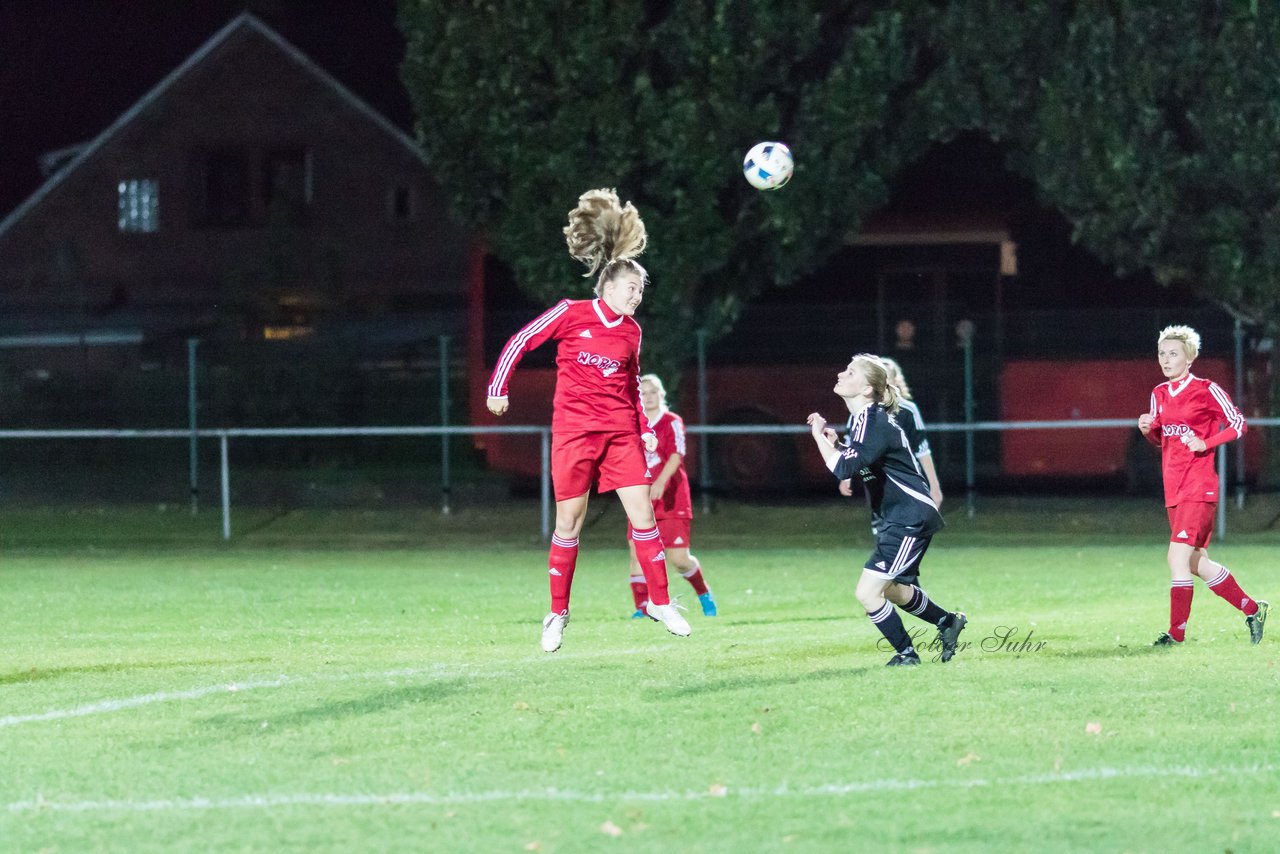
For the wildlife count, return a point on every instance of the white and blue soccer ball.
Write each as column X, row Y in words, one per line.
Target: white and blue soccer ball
column 768, row 165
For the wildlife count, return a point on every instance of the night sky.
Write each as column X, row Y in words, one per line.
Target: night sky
column 68, row 68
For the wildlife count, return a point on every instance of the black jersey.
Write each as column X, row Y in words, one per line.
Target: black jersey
column 878, row 452
column 912, row 423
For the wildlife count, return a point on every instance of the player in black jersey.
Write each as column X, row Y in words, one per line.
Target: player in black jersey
column 912, row 422
column 903, row 515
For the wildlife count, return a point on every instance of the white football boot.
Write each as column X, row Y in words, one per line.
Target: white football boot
column 670, row 617
column 553, row 630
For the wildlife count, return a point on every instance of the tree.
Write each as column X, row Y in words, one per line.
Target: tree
column 1150, row 125
column 520, row 111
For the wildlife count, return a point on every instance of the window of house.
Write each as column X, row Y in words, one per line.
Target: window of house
column 401, row 205
column 226, row 186
column 286, row 183
column 138, row 206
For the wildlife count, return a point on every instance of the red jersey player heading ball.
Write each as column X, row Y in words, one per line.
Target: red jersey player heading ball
column 599, row 434
column 1189, row 417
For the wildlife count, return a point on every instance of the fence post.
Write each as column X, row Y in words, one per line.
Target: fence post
column 704, row 445
column 545, row 437
column 1239, row 401
column 964, row 332
column 225, row 469
column 445, row 481
column 1222, row 485
column 191, row 422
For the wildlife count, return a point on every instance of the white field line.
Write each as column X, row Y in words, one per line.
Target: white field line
column 102, row 707
column 267, row 802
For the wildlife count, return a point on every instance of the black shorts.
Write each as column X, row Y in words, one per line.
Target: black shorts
column 898, row 554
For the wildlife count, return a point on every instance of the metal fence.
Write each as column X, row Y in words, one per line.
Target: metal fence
column 224, row 437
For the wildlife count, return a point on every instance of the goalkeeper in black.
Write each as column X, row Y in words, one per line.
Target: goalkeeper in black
column 903, row 516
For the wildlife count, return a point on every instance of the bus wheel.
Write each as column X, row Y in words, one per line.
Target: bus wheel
column 753, row 464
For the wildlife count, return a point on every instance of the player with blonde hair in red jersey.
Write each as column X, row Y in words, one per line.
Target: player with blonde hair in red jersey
column 1186, row 421
column 599, row 433
column 672, row 503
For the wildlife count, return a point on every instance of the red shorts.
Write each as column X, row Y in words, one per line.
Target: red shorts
column 1192, row 523
column 607, row 460
column 674, row 532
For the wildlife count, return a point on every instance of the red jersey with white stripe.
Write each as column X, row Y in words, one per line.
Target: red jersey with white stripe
column 1198, row 407
column 675, row 502
column 597, row 366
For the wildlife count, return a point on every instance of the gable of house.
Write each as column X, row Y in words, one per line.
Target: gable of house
column 248, row 174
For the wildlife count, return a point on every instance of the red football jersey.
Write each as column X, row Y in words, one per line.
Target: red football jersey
column 597, row 366
column 1191, row 407
column 675, row 502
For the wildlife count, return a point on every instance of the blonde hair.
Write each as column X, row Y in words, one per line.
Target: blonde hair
column 877, row 376
column 653, row 378
column 897, row 377
column 1189, row 337
column 605, row 234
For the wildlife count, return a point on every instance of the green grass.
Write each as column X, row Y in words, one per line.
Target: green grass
column 160, row 692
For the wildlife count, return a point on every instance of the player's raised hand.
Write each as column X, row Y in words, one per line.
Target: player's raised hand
column 1144, row 422
column 817, row 424
column 497, row 405
column 650, row 442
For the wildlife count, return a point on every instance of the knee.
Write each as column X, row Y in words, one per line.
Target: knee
column 568, row 525
column 871, row 603
column 870, row 597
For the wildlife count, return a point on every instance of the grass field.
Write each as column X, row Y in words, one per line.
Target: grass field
column 364, row 682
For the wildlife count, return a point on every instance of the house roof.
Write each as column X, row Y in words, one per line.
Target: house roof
column 239, row 27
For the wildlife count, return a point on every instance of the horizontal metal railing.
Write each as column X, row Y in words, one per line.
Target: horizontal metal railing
column 225, row 435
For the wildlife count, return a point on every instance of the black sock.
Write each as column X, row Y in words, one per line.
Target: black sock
column 923, row 607
column 890, row 625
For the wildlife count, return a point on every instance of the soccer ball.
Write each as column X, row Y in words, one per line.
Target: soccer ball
column 768, row 165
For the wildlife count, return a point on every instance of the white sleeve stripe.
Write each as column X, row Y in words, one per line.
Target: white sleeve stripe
column 1153, row 405
column 1234, row 418
column 677, row 427
column 859, row 431
column 516, row 345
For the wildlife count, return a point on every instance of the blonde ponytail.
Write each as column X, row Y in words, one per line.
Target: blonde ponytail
column 605, row 235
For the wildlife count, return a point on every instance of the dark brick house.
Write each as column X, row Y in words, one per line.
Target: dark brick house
column 249, row 181
column 251, row 200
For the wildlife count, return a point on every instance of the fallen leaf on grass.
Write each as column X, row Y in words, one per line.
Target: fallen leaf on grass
column 969, row 758
column 756, row 728
column 611, row 829
column 718, row 791
column 1093, row 728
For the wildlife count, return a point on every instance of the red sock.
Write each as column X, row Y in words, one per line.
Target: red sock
column 1225, row 586
column 639, row 591
column 560, row 564
column 653, row 563
column 1180, row 593
column 695, row 577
